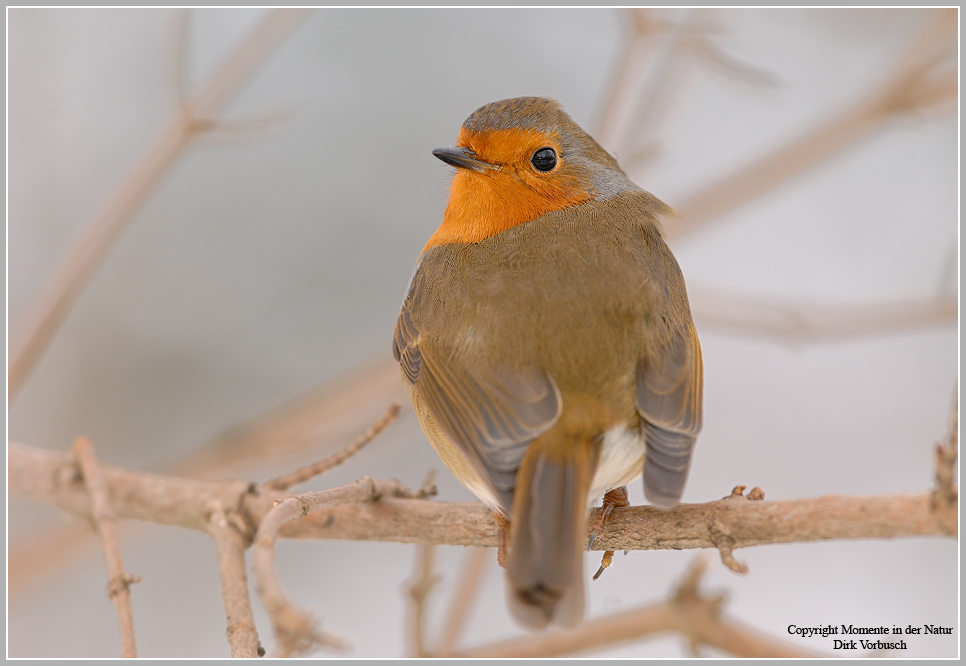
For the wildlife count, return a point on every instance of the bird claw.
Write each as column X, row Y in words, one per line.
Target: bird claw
column 605, row 562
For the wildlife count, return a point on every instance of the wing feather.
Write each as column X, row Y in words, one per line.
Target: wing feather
column 491, row 416
column 668, row 398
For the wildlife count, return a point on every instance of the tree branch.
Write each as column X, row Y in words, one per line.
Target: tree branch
column 349, row 513
column 231, row 540
column 52, row 478
column 118, row 582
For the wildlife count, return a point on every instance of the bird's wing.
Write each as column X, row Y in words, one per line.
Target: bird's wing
column 668, row 398
column 491, row 416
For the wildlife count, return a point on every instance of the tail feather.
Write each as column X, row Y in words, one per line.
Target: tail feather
column 548, row 534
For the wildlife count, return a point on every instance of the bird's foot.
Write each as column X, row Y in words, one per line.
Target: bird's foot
column 612, row 498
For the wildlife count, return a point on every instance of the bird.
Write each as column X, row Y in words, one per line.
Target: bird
column 546, row 343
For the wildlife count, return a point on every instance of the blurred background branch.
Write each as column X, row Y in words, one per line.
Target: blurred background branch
column 695, row 617
column 194, row 115
column 919, row 80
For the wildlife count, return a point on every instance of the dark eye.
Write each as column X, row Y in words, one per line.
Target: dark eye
column 544, row 159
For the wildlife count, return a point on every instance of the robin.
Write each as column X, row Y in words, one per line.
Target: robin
column 546, row 342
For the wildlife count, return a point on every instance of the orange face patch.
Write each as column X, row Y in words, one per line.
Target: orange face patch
column 513, row 192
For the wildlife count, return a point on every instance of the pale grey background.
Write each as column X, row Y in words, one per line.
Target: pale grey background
column 273, row 257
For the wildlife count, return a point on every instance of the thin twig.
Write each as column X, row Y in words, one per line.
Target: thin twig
column 424, row 580
column 44, row 317
column 469, row 586
column 230, row 545
column 804, row 321
column 336, row 411
column 296, row 630
column 705, row 49
column 118, row 582
column 686, row 613
column 303, row 474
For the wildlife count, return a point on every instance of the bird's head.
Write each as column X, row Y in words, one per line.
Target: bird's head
column 519, row 159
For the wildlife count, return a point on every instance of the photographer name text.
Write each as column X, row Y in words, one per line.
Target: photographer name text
column 867, row 643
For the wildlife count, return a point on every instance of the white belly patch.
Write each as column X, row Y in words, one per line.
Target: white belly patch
column 621, row 461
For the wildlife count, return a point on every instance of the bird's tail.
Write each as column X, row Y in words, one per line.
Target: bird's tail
column 548, row 531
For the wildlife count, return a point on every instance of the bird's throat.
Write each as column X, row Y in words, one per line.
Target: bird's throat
column 483, row 205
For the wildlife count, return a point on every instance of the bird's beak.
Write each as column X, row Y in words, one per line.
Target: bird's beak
column 463, row 158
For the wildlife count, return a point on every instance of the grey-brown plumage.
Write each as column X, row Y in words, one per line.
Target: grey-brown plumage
column 544, row 359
